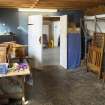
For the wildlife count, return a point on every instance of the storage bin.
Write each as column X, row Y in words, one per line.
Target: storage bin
column 3, row 68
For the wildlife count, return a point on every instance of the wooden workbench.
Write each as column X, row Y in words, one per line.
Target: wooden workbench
column 16, row 73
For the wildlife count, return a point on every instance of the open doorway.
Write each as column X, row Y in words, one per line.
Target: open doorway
column 51, row 41
column 47, row 40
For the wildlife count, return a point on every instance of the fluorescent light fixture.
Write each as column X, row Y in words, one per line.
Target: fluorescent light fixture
column 36, row 10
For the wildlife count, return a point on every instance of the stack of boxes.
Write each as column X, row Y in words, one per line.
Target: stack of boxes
column 10, row 50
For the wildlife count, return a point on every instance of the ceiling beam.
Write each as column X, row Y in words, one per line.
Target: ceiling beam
column 59, row 4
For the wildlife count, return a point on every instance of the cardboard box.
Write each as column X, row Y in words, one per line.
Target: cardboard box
column 12, row 50
column 20, row 52
column 3, row 54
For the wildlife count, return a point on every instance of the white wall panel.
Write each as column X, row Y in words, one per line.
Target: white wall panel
column 34, row 34
column 63, row 41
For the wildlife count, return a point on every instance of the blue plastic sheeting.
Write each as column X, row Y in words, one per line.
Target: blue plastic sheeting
column 74, row 50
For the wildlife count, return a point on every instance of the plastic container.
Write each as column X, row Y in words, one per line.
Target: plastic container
column 3, row 68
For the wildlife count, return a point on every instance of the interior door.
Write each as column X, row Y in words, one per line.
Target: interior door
column 35, row 23
column 63, row 41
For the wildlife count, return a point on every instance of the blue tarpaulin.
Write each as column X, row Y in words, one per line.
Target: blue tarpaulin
column 74, row 50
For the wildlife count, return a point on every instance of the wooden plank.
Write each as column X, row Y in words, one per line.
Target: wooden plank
column 71, row 4
column 95, row 11
column 51, row 18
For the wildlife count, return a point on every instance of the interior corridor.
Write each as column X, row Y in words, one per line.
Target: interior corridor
column 51, row 56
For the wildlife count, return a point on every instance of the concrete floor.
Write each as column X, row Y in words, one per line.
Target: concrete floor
column 51, row 56
column 56, row 86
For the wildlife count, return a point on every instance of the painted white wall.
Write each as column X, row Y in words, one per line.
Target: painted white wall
column 34, row 33
column 63, row 41
column 56, row 32
column 46, row 30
